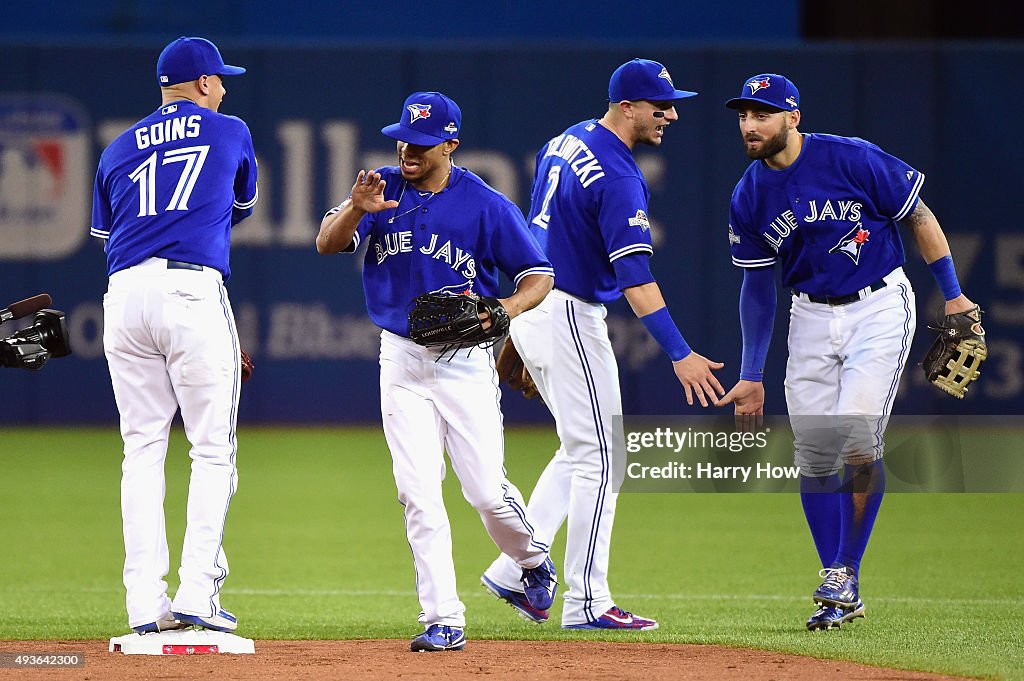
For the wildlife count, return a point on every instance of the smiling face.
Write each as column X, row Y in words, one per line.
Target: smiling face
column 426, row 168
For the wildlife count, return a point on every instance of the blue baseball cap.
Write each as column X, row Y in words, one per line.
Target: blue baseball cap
column 428, row 118
column 770, row 89
column 643, row 79
column 186, row 59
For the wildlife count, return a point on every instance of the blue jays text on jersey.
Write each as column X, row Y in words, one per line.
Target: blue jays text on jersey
column 589, row 209
column 172, row 185
column 829, row 219
column 453, row 241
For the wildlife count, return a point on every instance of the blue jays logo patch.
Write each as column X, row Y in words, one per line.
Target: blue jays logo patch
column 664, row 74
column 758, row 84
column 418, row 111
column 852, row 243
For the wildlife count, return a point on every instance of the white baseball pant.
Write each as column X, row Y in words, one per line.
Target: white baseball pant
column 564, row 344
column 170, row 341
column 429, row 405
column 844, row 368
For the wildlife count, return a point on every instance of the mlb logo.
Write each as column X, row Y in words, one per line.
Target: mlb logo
column 46, row 176
column 164, row 79
column 418, row 111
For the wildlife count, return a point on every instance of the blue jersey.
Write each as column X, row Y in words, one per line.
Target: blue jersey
column 453, row 241
column 589, row 209
column 172, row 185
column 829, row 219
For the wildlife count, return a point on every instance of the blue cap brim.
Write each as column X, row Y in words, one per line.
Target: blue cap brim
column 682, row 94
column 736, row 102
column 229, row 70
column 403, row 134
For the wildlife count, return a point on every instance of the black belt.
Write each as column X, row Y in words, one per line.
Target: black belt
column 844, row 300
column 179, row 265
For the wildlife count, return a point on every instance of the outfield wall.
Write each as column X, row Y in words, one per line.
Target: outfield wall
column 315, row 113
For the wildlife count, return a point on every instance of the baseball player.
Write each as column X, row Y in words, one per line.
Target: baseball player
column 825, row 209
column 167, row 193
column 589, row 212
column 432, row 226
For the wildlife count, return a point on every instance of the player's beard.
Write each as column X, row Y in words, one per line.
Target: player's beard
column 769, row 147
column 645, row 133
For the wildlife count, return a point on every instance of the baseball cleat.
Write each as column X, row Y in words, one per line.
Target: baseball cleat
column 839, row 589
column 540, row 584
column 165, row 623
column 222, row 621
column 829, row 617
column 617, row 618
column 439, row 637
column 518, row 601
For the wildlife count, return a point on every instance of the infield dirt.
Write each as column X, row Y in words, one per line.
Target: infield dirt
column 391, row 659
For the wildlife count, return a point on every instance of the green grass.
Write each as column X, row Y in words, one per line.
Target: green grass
column 317, row 549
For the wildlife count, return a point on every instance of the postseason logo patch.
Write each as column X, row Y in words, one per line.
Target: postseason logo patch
column 640, row 220
column 418, row 111
column 733, row 237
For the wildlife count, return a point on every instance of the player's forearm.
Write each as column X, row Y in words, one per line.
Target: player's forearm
column 757, row 318
column 928, row 235
column 644, row 299
column 649, row 306
column 337, row 230
column 532, row 289
column 931, row 242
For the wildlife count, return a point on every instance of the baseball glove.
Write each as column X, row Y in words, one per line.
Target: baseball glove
column 247, row 366
column 952, row 361
column 447, row 321
column 512, row 370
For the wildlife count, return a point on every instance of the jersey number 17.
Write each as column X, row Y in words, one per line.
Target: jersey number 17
column 191, row 158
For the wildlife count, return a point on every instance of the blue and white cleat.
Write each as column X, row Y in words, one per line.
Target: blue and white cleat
column 540, row 584
column 839, row 589
column 439, row 637
column 829, row 617
column 518, row 601
column 165, row 623
column 222, row 621
column 617, row 618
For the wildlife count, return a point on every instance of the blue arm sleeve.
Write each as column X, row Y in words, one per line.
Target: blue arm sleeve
column 239, row 214
column 757, row 317
column 632, row 270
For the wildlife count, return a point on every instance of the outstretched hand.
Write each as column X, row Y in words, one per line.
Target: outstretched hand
column 748, row 400
column 694, row 373
column 368, row 193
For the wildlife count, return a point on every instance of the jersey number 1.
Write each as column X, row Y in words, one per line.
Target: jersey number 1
column 145, row 176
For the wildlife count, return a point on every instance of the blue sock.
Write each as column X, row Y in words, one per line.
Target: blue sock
column 863, row 488
column 821, row 508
